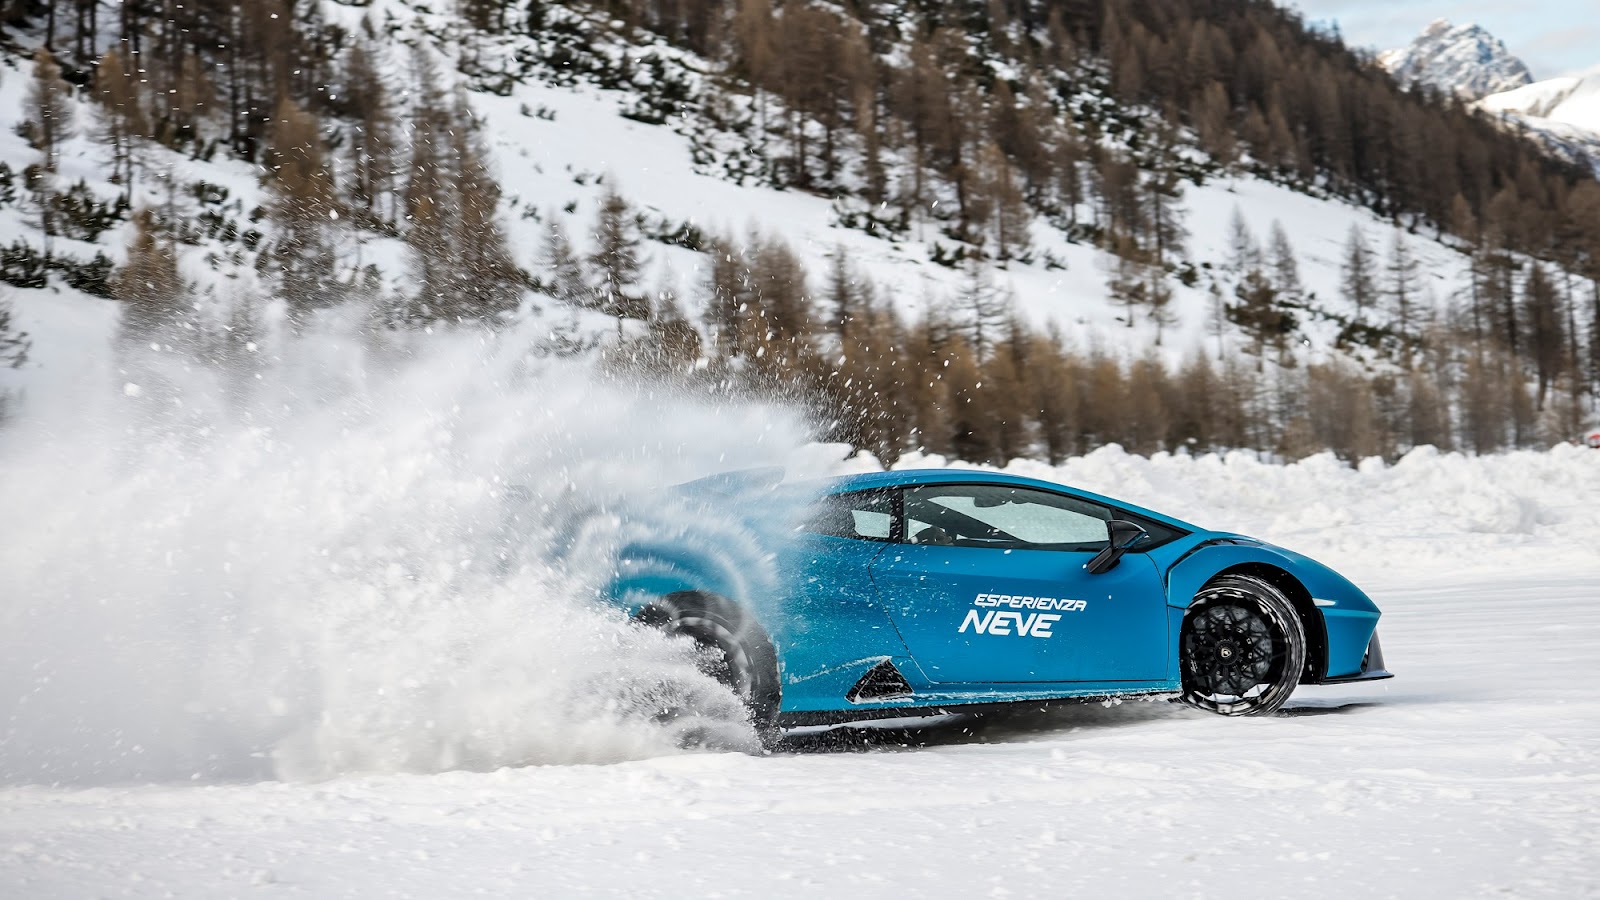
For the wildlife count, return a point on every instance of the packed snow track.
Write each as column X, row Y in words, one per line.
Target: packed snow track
column 1476, row 772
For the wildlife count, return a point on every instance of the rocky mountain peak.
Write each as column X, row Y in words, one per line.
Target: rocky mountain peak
column 1463, row 59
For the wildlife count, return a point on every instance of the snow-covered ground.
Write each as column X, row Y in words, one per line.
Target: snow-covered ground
column 1475, row 772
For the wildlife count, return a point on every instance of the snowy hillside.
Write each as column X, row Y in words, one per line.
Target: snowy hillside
column 1563, row 112
column 1572, row 100
column 1461, row 59
column 558, row 146
column 555, row 166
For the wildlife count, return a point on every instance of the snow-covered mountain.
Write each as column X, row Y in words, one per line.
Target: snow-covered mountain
column 1562, row 113
column 1464, row 59
column 1569, row 100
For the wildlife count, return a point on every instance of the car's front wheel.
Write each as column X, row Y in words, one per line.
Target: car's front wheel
column 731, row 647
column 1241, row 648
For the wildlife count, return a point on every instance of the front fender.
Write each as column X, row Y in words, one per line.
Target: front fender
column 1349, row 617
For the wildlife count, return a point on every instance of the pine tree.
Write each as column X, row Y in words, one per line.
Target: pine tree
column 778, row 326
column 849, row 295
column 1158, row 299
column 727, row 297
column 1217, row 324
column 1163, row 198
column 982, row 310
column 487, row 284
column 1546, row 340
column 1258, row 313
column 372, row 145
column 14, row 343
column 427, row 232
column 49, row 109
column 1244, row 253
column 1128, row 283
column 154, row 297
column 122, row 119
column 617, row 260
column 303, row 209
column 427, row 197
column 1011, row 215
column 1357, row 280
column 1401, row 282
column 559, row 272
column 1285, row 268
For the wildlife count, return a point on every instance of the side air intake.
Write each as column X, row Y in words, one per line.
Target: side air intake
column 882, row 682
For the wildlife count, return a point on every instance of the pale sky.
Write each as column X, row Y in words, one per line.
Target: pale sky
column 1554, row 37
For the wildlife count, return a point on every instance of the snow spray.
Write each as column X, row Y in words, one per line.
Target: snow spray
column 313, row 569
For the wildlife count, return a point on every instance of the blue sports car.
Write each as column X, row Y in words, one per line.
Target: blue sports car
column 940, row 591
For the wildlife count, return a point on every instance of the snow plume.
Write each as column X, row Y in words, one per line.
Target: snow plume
column 366, row 562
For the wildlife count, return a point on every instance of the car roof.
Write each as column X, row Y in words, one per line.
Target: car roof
column 914, row 477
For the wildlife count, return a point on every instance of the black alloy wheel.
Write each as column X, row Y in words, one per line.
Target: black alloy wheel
column 733, row 649
column 1241, row 649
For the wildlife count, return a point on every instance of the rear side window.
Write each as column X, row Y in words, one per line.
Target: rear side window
column 864, row 515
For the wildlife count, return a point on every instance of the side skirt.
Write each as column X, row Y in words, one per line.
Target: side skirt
column 840, row 716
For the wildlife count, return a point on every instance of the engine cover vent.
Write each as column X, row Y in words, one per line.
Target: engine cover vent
column 882, row 682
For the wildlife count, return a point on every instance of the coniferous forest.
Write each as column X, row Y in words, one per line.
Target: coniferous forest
column 964, row 125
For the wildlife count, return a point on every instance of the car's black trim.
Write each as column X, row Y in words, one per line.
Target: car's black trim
column 882, row 682
column 843, row 716
column 897, row 525
column 1372, row 667
column 1374, row 675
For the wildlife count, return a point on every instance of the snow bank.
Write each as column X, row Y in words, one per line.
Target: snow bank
column 357, row 565
column 1428, row 512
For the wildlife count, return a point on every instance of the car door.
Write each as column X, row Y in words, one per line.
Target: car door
column 987, row 584
column 831, row 611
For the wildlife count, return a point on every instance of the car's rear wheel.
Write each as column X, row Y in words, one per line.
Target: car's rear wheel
column 732, row 648
column 1241, row 649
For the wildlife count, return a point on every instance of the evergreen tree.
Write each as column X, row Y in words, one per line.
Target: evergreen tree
column 1357, row 279
column 849, row 295
column 303, row 210
column 1244, row 253
column 1401, row 285
column 617, row 260
column 1546, row 340
column 14, row 343
column 1163, row 198
column 559, row 272
column 487, row 284
column 372, row 146
column 49, row 109
column 155, row 298
column 1258, row 313
column 1285, row 268
column 122, row 119
column 982, row 309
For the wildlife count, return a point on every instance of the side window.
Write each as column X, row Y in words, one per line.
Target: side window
column 983, row 515
column 864, row 515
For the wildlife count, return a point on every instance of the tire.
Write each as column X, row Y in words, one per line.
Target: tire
column 734, row 650
column 1241, row 649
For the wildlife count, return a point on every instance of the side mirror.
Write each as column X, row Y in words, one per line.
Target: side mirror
column 1123, row 535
